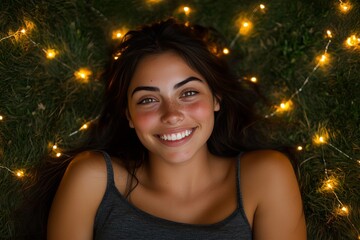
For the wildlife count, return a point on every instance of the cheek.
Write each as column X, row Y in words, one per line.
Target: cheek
column 144, row 120
column 201, row 110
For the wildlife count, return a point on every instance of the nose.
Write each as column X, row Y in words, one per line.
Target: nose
column 171, row 113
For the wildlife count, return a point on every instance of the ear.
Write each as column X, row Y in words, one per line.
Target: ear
column 217, row 101
column 131, row 124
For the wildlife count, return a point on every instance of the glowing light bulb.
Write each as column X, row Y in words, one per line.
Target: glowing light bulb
column 285, row 106
column 321, row 138
column 186, row 10
column 262, row 6
column 50, row 53
column 329, row 34
column 253, row 79
column 83, row 74
column 226, row 51
column 23, row 30
column 83, row 127
column 19, row 173
column 58, row 154
column 352, row 41
column 54, row 147
column 343, row 211
column 1, row 118
column 119, row 33
column 116, row 58
column 299, row 148
column 344, row 7
column 323, row 59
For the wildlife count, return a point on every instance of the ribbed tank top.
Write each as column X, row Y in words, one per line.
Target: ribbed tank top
column 116, row 218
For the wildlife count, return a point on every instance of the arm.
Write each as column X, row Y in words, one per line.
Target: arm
column 77, row 199
column 279, row 213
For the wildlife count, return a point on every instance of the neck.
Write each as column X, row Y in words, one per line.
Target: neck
column 184, row 178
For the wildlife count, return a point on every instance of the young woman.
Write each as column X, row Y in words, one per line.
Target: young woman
column 173, row 154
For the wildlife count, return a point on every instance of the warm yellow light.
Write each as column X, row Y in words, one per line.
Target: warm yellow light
column 226, row 51
column 58, row 154
column 343, row 210
column 119, row 33
column 19, row 173
column 253, row 79
column 245, row 24
column 345, row 7
column 285, row 106
column 83, row 127
column 299, row 148
column 186, row 10
column 321, row 137
column 23, row 30
column 51, row 53
column 323, row 59
column 353, row 41
column 329, row 184
column 83, row 74
column 329, row 34
column 262, row 6
column 1, row 118
column 54, row 147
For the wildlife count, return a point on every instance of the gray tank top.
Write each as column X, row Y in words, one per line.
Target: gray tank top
column 116, row 218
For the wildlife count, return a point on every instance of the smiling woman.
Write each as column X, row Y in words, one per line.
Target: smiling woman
column 173, row 155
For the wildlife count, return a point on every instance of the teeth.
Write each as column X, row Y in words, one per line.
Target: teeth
column 176, row 136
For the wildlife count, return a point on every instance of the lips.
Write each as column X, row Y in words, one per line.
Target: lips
column 176, row 136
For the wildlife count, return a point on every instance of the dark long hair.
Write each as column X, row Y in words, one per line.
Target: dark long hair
column 236, row 124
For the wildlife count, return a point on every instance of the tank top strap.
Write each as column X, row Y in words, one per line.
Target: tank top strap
column 109, row 168
column 238, row 189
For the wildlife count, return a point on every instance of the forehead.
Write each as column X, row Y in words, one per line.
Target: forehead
column 162, row 68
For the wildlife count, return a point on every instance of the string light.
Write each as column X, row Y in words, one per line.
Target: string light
column 83, row 74
column 226, row 51
column 1, row 118
column 119, row 33
column 186, row 10
column 58, row 154
column 343, row 210
column 262, row 6
column 344, row 7
column 352, row 41
column 329, row 34
column 329, row 184
column 19, row 173
column 285, row 106
column 51, row 53
column 253, row 79
column 299, row 148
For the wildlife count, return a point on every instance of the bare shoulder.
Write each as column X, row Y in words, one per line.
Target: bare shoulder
column 77, row 198
column 272, row 198
column 266, row 165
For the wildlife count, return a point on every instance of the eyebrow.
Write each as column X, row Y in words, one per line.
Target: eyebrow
column 156, row 89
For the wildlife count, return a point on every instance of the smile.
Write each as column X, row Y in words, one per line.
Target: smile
column 176, row 136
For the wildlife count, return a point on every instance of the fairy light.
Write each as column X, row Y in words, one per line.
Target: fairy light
column 329, row 184
column 19, row 173
column 119, row 33
column 186, row 10
column 226, row 51
column 352, row 41
column 299, row 148
column 58, row 154
column 344, row 7
column 83, row 74
column 343, row 210
column 1, row 118
column 54, row 147
column 51, row 53
column 262, row 6
column 329, row 34
column 83, row 127
column 253, row 79
column 285, row 106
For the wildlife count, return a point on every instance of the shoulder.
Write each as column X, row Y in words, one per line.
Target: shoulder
column 267, row 164
column 78, row 196
column 272, row 194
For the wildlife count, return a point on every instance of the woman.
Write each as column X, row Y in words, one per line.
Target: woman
column 170, row 155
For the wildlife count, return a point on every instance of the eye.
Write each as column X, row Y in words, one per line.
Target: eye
column 189, row 93
column 147, row 101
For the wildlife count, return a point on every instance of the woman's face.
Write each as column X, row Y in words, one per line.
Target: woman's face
column 171, row 107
